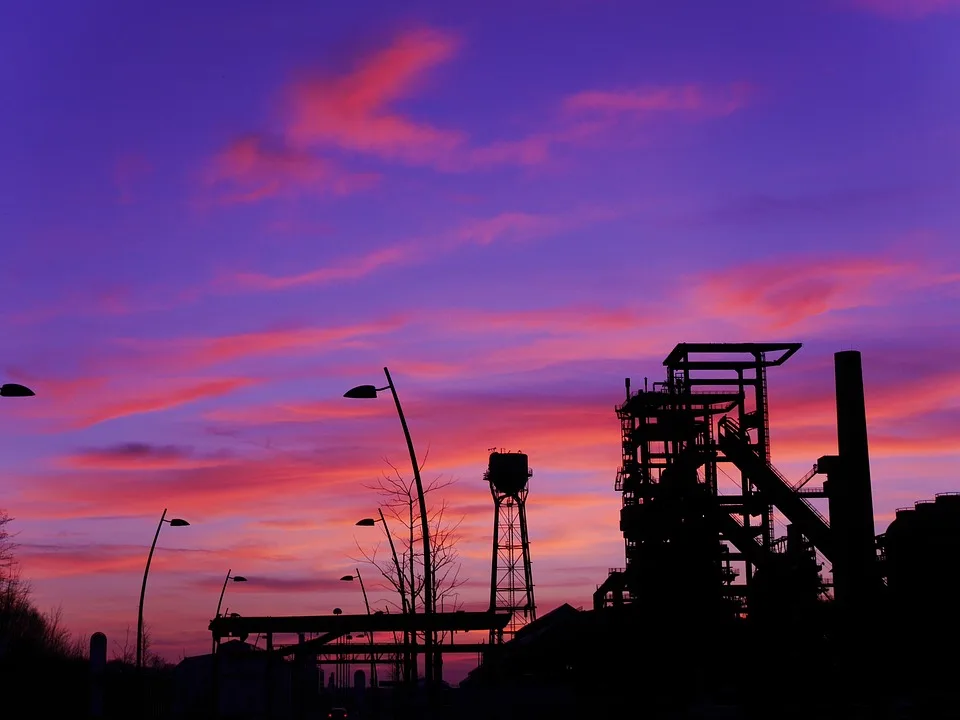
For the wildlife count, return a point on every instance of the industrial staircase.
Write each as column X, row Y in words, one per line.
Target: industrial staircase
column 736, row 447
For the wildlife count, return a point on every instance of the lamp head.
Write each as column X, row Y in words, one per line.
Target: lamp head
column 178, row 522
column 347, row 578
column 362, row 392
column 17, row 390
column 239, row 578
column 366, row 522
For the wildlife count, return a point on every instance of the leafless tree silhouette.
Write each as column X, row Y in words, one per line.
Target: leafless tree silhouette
column 400, row 509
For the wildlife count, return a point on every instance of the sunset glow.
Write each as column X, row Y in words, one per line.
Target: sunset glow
column 220, row 216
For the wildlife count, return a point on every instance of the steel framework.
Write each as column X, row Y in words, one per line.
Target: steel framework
column 688, row 539
column 511, row 578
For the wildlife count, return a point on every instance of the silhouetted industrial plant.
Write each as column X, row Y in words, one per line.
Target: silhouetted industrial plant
column 723, row 602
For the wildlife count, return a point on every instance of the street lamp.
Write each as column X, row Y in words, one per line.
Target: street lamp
column 174, row 522
column 370, row 392
column 15, row 390
column 409, row 658
column 370, row 522
column 373, row 663
column 228, row 578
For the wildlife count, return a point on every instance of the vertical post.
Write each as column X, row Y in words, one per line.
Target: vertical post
column 412, row 669
column 98, row 663
column 425, row 526
column 271, row 661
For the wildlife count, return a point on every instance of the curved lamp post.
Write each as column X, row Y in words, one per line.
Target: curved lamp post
column 370, row 392
column 373, row 663
column 174, row 522
column 228, row 578
column 15, row 390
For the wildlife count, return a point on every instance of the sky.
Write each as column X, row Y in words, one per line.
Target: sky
column 216, row 217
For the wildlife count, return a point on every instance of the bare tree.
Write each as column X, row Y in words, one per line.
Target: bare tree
column 401, row 509
column 401, row 512
column 126, row 652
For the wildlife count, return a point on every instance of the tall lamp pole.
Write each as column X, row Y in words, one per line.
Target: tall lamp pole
column 368, row 392
column 174, row 522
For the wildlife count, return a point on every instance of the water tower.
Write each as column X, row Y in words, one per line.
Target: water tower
column 511, row 581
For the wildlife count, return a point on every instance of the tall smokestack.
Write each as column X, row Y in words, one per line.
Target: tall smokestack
column 851, row 496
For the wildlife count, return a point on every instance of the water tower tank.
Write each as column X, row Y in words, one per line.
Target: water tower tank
column 508, row 472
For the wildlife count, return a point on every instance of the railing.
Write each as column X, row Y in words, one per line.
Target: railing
column 806, row 478
column 727, row 425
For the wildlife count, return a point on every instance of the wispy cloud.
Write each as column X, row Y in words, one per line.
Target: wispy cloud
column 643, row 102
column 783, row 292
column 157, row 400
column 251, row 169
column 510, row 226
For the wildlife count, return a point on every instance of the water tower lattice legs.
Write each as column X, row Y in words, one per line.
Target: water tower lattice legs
column 511, row 583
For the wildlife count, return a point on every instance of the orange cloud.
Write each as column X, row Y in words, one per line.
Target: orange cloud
column 249, row 170
column 906, row 9
column 353, row 112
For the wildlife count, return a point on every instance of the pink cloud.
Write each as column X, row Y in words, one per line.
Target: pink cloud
column 785, row 291
column 249, row 170
column 87, row 401
column 198, row 352
column 41, row 561
column 906, row 9
column 694, row 99
column 357, row 112
column 157, row 400
column 261, row 485
column 502, row 227
column 353, row 112
column 348, row 269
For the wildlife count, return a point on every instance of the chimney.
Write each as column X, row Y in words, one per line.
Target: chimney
column 851, row 496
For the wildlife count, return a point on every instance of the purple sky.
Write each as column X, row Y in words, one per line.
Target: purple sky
column 217, row 217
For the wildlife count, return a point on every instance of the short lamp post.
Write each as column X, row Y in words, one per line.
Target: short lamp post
column 373, row 661
column 370, row 392
column 401, row 583
column 228, row 578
